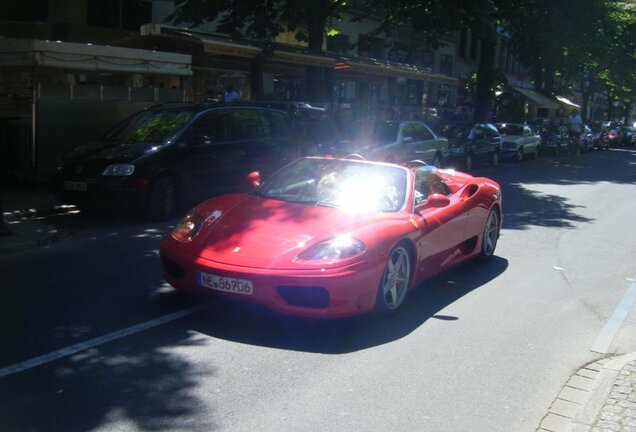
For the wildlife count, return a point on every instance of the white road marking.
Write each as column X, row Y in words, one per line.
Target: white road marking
column 91, row 343
column 602, row 343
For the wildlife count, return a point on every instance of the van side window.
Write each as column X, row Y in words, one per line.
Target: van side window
column 212, row 125
column 246, row 124
column 276, row 124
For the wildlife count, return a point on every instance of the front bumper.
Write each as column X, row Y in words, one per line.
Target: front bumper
column 113, row 192
column 321, row 293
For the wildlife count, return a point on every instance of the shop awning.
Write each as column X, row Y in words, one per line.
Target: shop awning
column 218, row 45
column 538, row 98
column 567, row 102
column 399, row 70
column 70, row 55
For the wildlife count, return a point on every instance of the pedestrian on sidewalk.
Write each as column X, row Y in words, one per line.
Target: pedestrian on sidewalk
column 230, row 94
column 575, row 126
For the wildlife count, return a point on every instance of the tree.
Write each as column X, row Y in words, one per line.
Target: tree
column 433, row 21
column 263, row 20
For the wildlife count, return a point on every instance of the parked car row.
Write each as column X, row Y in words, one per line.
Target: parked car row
column 170, row 154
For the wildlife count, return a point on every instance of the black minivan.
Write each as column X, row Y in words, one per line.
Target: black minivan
column 172, row 153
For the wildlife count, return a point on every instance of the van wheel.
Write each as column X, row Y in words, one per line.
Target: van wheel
column 161, row 201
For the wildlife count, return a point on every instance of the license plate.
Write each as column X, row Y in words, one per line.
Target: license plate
column 226, row 284
column 75, row 186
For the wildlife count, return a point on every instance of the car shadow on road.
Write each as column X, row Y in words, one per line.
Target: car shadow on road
column 250, row 324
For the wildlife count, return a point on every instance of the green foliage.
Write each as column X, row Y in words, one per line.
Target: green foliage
column 563, row 43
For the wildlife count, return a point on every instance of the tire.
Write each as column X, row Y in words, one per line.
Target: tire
column 162, row 197
column 494, row 160
column 490, row 235
column 468, row 162
column 519, row 155
column 395, row 281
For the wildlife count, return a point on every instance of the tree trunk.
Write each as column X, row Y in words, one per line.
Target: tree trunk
column 256, row 77
column 484, row 97
column 316, row 22
column 627, row 112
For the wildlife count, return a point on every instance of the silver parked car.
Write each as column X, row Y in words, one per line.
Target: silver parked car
column 398, row 141
column 518, row 140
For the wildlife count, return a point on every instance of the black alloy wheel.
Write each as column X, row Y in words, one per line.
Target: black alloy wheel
column 162, row 198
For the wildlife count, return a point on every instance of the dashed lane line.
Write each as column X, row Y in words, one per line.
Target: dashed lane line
column 91, row 343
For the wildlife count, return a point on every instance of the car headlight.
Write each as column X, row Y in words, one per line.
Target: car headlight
column 119, row 170
column 188, row 228
column 339, row 247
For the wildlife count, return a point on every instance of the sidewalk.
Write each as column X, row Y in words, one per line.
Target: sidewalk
column 600, row 397
column 25, row 211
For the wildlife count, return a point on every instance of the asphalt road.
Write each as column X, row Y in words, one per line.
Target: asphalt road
column 479, row 348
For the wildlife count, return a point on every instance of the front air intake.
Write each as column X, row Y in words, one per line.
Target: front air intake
column 303, row 296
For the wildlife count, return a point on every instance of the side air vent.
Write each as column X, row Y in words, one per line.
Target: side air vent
column 470, row 190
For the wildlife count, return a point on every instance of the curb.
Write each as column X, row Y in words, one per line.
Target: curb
column 30, row 233
column 579, row 403
column 24, row 245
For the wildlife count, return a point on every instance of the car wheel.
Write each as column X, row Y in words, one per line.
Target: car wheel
column 161, row 202
column 519, row 155
column 490, row 236
column 468, row 162
column 395, row 281
column 494, row 161
column 437, row 161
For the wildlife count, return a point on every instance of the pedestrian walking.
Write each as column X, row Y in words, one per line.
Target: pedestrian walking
column 230, row 94
column 575, row 126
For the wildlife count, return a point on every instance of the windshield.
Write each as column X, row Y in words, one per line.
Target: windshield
column 510, row 129
column 457, row 132
column 386, row 132
column 350, row 185
column 155, row 126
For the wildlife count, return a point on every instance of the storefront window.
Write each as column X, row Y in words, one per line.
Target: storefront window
column 216, row 82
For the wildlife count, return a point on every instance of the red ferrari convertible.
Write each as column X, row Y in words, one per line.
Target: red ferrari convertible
column 326, row 237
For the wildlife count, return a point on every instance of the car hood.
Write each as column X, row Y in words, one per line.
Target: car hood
column 111, row 151
column 261, row 232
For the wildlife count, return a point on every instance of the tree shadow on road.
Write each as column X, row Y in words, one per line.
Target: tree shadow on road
column 525, row 207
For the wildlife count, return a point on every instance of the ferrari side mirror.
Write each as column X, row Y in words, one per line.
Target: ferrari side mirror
column 254, row 178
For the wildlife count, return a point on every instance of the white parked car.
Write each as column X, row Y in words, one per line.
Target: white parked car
column 518, row 140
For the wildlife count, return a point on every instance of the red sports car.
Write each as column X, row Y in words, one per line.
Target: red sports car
column 327, row 237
